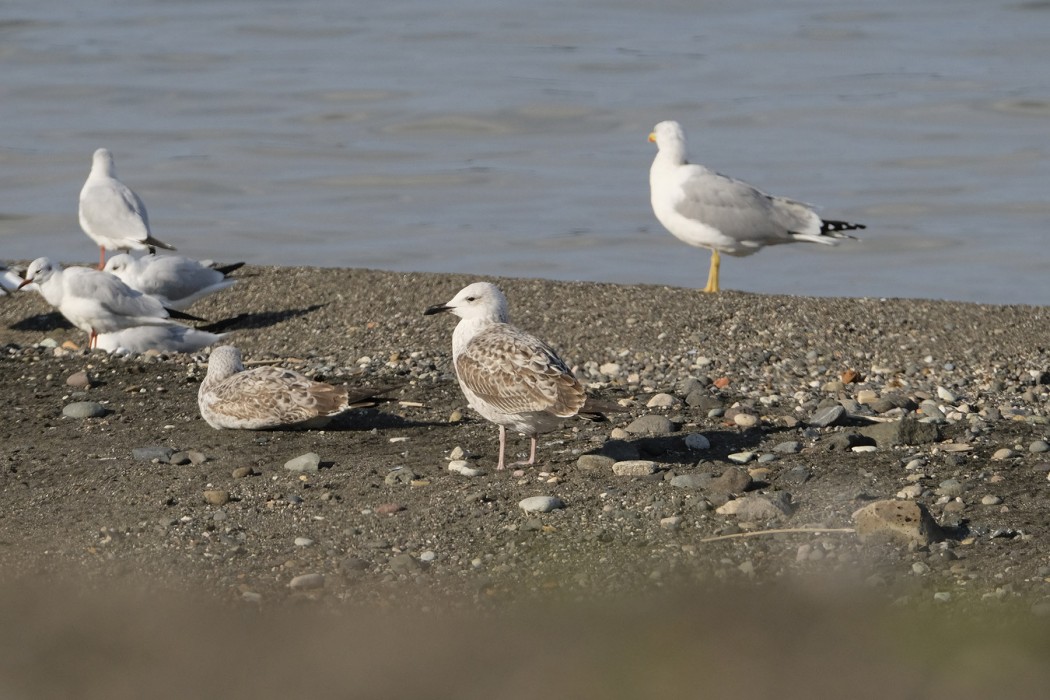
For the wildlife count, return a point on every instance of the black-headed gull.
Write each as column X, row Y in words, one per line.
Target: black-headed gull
column 111, row 214
column 169, row 338
column 177, row 281
column 95, row 301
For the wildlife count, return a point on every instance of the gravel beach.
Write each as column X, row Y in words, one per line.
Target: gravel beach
column 741, row 414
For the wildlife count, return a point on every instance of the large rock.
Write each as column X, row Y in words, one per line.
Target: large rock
column 906, row 431
column 907, row 522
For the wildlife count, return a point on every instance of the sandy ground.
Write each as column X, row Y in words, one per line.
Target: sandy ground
column 121, row 576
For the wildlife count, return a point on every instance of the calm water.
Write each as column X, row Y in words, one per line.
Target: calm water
column 509, row 138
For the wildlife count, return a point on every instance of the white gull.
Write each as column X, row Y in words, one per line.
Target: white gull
column 94, row 301
column 511, row 378
column 170, row 338
column 708, row 210
column 111, row 214
column 177, row 281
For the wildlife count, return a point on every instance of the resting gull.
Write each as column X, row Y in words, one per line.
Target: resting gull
column 177, row 281
column 708, row 210
column 170, row 338
column 111, row 214
column 96, row 301
column 511, row 378
column 269, row 398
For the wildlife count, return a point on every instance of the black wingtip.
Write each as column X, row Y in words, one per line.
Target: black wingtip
column 227, row 269
column 182, row 316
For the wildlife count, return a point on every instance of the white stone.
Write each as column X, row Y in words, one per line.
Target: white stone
column 634, row 467
column 864, row 448
column 462, row 467
column 910, row 491
column 866, row 396
column 662, row 401
column 741, row 457
column 746, row 420
column 540, row 504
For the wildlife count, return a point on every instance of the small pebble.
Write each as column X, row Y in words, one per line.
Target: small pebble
column 991, row 500
column 1039, row 446
column 309, row 462
column 217, row 497
column 594, row 463
column 827, row 416
column 148, row 454
column 634, row 467
column 746, row 420
column 741, row 457
column 462, row 467
column 306, row 582
column 84, row 409
column 662, row 401
column 1003, row 453
column 79, row 380
column 303, row 542
column 540, row 504
column 697, row 441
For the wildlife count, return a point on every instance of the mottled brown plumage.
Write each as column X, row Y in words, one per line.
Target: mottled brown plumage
column 267, row 398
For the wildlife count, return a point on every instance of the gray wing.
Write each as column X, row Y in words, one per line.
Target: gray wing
column 741, row 211
column 518, row 373
column 111, row 294
column 112, row 209
column 173, row 276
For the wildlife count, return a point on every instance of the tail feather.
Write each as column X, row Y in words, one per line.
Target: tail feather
column 834, row 229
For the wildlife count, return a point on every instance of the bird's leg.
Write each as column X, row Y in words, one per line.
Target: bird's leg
column 101, row 257
column 502, row 446
column 712, row 275
column 532, row 452
column 92, row 340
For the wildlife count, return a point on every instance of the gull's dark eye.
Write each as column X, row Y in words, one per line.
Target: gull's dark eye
column 471, row 298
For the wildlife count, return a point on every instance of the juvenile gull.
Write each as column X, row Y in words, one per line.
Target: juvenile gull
column 268, row 398
column 708, row 210
column 170, row 338
column 96, row 301
column 175, row 280
column 511, row 378
column 111, row 214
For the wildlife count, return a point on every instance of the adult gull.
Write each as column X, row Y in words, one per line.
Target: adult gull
column 708, row 210
column 111, row 214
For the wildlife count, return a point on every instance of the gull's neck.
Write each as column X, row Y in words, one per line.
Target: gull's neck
column 467, row 328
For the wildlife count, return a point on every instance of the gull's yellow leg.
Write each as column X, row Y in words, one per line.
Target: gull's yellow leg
column 712, row 275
